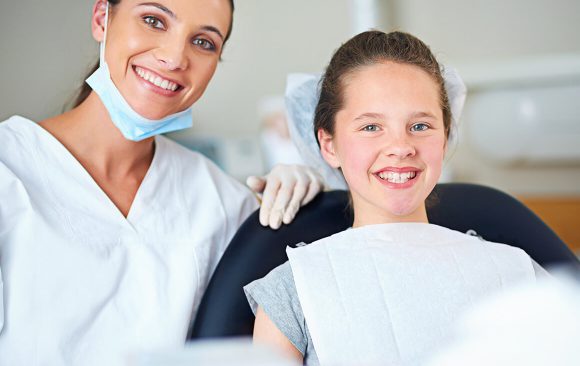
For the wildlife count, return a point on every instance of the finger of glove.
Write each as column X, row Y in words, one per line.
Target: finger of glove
column 314, row 188
column 256, row 184
column 282, row 199
column 268, row 199
column 300, row 191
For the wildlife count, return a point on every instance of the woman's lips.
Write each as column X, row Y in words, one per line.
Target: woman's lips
column 156, row 82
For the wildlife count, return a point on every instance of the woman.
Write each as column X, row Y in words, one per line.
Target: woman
column 108, row 232
column 386, row 291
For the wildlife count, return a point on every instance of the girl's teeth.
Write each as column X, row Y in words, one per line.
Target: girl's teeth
column 156, row 80
column 398, row 178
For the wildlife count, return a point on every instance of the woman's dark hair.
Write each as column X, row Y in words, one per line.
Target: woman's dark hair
column 370, row 48
column 85, row 89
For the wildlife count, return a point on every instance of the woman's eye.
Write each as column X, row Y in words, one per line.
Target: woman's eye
column 153, row 22
column 204, row 43
column 419, row 127
column 370, row 128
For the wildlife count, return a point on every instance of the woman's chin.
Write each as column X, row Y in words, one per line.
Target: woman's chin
column 152, row 113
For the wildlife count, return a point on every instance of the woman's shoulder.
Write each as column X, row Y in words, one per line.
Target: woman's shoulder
column 196, row 173
column 19, row 136
column 16, row 128
column 189, row 160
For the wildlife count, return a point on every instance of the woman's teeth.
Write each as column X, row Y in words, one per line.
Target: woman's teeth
column 156, row 80
column 399, row 178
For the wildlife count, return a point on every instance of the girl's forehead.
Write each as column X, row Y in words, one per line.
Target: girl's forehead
column 388, row 79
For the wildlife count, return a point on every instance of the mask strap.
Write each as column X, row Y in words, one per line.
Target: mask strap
column 102, row 45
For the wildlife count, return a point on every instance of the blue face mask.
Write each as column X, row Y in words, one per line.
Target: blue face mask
column 131, row 124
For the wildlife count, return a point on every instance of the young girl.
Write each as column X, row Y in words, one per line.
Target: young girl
column 387, row 290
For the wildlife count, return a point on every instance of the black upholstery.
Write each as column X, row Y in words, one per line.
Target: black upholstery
column 256, row 250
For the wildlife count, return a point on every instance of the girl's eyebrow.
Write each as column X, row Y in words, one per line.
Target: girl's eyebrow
column 370, row 115
column 166, row 10
column 373, row 115
column 423, row 115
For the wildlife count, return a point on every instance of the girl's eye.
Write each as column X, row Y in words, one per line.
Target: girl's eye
column 153, row 22
column 419, row 127
column 370, row 128
column 204, row 43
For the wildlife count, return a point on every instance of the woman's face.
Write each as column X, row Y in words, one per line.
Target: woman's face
column 162, row 54
column 389, row 141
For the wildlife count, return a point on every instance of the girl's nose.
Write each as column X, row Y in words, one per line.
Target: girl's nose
column 400, row 147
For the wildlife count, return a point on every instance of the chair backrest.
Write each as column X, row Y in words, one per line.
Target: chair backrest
column 254, row 251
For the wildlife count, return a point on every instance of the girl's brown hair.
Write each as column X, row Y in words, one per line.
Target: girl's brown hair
column 85, row 89
column 370, row 48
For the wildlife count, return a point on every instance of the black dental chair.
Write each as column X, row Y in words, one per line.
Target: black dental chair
column 255, row 250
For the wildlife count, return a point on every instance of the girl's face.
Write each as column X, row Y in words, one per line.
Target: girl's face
column 389, row 141
column 162, row 54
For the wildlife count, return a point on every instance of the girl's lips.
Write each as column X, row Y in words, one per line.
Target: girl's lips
column 398, row 170
column 398, row 178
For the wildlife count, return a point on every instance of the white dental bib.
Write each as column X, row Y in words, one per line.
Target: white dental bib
column 389, row 294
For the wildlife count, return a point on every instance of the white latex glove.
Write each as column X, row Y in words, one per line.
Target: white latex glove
column 284, row 190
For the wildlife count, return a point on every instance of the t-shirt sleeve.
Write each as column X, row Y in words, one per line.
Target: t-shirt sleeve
column 276, row 295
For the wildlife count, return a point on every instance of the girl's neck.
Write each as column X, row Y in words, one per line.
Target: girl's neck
column 363, row 217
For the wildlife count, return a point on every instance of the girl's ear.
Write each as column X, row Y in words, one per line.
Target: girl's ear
column 98, row 20
column 327, row 148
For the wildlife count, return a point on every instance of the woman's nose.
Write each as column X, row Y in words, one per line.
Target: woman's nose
column 172, row 56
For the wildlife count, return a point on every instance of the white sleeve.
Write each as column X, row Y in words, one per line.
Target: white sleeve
column 11, row 203
column 1, row 302
column 540, row 272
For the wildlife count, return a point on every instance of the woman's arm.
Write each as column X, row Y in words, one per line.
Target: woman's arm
column 266, row 332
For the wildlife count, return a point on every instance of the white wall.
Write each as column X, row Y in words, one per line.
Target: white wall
column 483, row 35
column 45, row 48
column 271, row 38
column 478, row 30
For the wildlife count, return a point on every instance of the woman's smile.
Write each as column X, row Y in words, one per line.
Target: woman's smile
column 157, row 83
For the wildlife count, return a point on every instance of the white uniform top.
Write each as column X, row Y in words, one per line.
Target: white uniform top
column 83, row 285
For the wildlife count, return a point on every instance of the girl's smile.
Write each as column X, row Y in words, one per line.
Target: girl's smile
column 398, row 178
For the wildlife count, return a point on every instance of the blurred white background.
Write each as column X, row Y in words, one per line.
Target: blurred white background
column 46, row 49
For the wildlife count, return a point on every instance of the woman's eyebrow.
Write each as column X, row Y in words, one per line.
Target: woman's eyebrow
column 213, row 29
column 160, row 7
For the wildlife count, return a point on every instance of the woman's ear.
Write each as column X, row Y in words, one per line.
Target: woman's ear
column 98, row 20
column 327, row 148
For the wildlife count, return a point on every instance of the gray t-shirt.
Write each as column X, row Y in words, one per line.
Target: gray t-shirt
column 276, row 294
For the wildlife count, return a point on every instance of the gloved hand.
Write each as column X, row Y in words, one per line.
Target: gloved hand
column 284, row 190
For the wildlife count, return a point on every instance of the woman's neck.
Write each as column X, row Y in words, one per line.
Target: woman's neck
column 92, row 138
